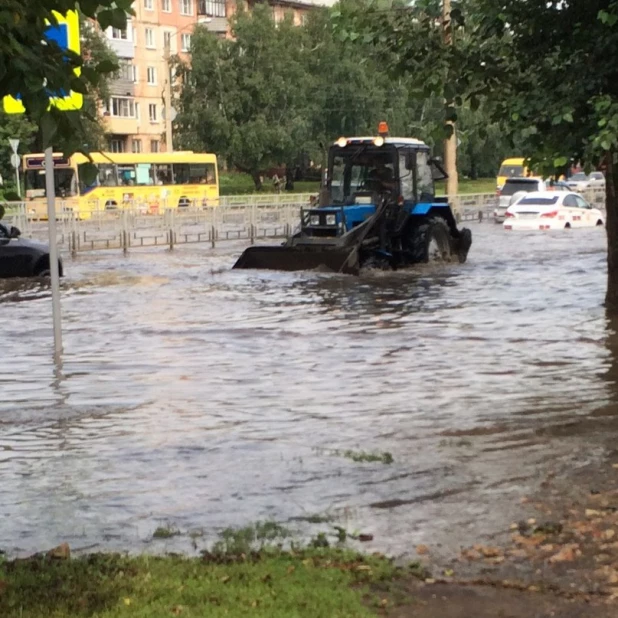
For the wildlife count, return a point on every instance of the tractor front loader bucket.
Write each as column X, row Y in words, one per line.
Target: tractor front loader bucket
column 303, row 257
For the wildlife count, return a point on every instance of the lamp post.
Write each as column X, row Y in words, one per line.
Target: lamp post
column 169, row 138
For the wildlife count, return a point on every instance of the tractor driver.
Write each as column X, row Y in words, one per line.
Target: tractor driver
column 381, row 178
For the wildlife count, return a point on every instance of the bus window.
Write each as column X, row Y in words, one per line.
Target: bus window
column 144, row 174
column 106, row 177
column 194, row 174
column 126, row 175
column 64, row 180
column 163, row 174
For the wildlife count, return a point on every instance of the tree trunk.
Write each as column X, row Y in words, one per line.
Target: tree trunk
column 257, row 180
column 611, row 224
column 289, row 178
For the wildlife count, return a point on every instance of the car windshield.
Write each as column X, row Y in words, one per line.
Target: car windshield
column 511, row 171
column 513, row 186
column 597, row 176
column 357, row 169
column 537, row 201
column 579, row 176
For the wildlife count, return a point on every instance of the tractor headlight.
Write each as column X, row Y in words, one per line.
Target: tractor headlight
column 314, row 220
column 331, row 219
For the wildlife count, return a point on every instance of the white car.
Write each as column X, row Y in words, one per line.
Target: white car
column 581, row 181
column 513, row 189
column 551, row 210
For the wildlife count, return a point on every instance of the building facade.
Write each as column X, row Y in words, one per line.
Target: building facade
column 135, row 114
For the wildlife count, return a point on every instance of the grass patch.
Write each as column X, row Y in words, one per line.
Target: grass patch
column 235, row 183
column 366, row 457
column 469, row 187
column 165, row 532
column 316, row 583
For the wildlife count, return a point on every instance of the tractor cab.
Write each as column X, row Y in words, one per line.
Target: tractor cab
column 364, row 172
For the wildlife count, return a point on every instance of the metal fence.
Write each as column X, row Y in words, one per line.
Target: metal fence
column 247, row 217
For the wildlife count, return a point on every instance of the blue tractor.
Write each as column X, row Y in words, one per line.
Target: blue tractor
column 377, row 209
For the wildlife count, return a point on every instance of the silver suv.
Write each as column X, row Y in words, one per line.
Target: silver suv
column 512, row 190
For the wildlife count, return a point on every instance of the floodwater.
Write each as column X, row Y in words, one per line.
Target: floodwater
column 198, row 397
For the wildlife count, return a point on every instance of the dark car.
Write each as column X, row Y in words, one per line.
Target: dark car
column 22, row 258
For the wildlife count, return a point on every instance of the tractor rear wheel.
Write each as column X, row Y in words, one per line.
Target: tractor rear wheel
column 431, row 242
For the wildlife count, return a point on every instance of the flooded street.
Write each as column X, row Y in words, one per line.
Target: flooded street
column 195, row 396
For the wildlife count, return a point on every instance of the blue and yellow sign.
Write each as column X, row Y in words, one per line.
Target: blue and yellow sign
column 66, row 34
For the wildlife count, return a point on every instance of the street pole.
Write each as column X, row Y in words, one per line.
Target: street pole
column 15, row 162
column 168, row 98
column 450, row 144
column 50, row 190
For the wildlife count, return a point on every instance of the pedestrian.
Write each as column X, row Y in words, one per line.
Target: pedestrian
column 277, row 183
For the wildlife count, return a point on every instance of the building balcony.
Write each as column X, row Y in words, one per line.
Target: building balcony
column 122, row 48
column 121, row 126
column 212, row 14
column 122, row 87
column 216, row 24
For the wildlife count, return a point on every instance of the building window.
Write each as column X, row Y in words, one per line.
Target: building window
column 186, row 7
column 166, row 6
column 167, row 40
column 120, row 34
column 152, row 76
column 150, row 41
column 152, row 112
column 135, row 74
column 136, row 146
column 116, row 145
column 211, row 8
column 149, row 5
column 127, row 71
column 123, row 107
column 186, row 42
column 154, row 145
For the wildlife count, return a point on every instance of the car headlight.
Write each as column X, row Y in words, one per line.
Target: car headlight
column 331, row 219
column 314, row 220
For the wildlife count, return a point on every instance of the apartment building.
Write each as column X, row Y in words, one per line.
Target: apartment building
column 135, row 113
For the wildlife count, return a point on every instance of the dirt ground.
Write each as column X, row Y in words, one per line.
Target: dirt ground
column 561, row 561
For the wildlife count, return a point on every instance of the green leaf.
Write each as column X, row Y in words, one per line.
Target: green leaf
column 88, row 173
column 515, row 116
column 556, row 120
column 451, row 114
column 602, row 122
column 49, row 127
column 560, row 161
column 107, row 66
column 105, row 18
column 78, row 85
column 568, row 117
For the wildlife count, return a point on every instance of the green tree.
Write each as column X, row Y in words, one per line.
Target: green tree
column 244, row 98
column 30, row 67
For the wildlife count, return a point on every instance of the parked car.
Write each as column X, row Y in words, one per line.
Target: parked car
column 22, row 258
column 551, row 210
column 557, row 185
column 512, row 190
column 582, row 181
